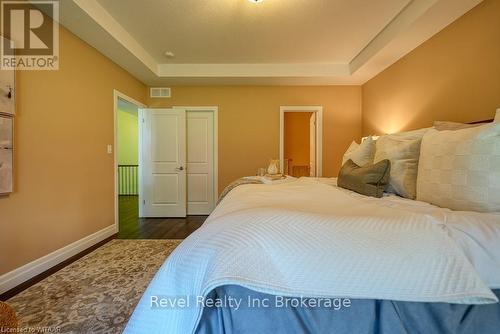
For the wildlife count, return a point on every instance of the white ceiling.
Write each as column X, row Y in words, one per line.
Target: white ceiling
column 273, row 42
column 237, row 31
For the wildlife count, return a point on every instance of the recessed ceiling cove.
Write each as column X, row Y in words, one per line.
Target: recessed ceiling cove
column 292, row 42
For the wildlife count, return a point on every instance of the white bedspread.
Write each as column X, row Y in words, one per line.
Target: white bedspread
column 310, row 239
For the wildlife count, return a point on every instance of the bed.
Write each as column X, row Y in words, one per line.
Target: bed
column 367, row 265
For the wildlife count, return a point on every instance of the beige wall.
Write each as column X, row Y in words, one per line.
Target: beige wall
column 63, row 175
column 453, row 76
column 297, row 140
column 249, row 122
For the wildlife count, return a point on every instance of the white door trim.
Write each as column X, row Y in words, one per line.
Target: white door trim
column 116, row 95
column 319, row 134
column 140, row 115
column 215, row 110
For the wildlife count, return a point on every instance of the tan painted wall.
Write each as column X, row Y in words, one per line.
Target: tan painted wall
column 63, row 175
column 249, row 122
column 64, row 178
column 455, row 76
column 297, row 138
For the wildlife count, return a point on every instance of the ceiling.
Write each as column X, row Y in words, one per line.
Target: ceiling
column 273, row 42
column 237, row 31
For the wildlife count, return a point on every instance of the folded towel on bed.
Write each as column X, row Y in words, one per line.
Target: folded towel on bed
column 238, row 182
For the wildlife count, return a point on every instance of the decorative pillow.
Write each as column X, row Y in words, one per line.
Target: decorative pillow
column 413, row 134
column 369, row 180
column 444, row 125
column 360, row 154
column 403, row 152
column 460, row 169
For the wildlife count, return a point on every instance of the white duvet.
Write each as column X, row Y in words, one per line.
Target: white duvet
column 310, row 239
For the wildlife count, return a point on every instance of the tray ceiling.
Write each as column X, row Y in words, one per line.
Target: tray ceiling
column 296, row 42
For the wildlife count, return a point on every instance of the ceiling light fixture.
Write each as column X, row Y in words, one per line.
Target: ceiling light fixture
column 255, row 1
column 169, row 54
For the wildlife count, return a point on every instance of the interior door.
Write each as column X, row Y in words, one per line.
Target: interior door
column 163, row 169
column 200, row 162
column 312, row 145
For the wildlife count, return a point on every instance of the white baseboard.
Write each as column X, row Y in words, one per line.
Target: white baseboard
column 29, row 270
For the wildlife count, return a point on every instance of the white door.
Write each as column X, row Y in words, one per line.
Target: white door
column 200, row 162
column 312, row 145
column 163, row 169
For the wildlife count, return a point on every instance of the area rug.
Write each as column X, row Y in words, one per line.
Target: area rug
column 95, row 294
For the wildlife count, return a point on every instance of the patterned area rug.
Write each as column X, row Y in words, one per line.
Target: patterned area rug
column 97, row 293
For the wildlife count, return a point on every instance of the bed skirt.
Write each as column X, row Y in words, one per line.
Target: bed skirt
column 263, row 313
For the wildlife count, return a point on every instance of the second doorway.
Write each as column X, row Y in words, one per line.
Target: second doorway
column 178, row 152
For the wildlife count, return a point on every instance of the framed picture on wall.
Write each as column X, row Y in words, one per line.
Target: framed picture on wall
column 6, row 154
column 7, row 86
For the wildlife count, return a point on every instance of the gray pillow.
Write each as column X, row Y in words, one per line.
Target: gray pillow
column 369, row 180
column 403, row 152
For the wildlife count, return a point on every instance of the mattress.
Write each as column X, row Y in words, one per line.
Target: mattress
column 476, row 233
column 311, row 239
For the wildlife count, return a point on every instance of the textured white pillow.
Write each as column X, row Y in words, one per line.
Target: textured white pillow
column 460, row 170
column 403, row 152
column 360, row 154
column 413, row 134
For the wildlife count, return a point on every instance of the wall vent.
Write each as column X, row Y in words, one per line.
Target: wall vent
column 160, row 92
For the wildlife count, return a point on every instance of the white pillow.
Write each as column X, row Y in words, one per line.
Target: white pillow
column 403, row 152
column 360, row 154
column 460, row 170
column 413, row 134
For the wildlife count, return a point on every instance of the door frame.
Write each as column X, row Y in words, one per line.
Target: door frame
column 215, row 111
column 119, row 95
column 318, row 110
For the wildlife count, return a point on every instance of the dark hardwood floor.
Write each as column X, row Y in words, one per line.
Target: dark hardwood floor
column 133, row 227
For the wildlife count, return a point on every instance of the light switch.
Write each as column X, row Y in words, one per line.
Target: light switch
column 110, row 149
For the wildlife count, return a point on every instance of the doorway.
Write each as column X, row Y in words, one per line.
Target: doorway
column 127, row 176
column 126, row 159
column 178, row 173
column 301, row 140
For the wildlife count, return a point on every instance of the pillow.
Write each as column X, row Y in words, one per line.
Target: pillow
column 413, row 134
column 444, row 125
column 497, row 117
column 403, row 152
column 460, row 170
column 369, row 180
column 360, row 154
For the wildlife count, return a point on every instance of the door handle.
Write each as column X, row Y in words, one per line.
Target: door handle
column 179, row 168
